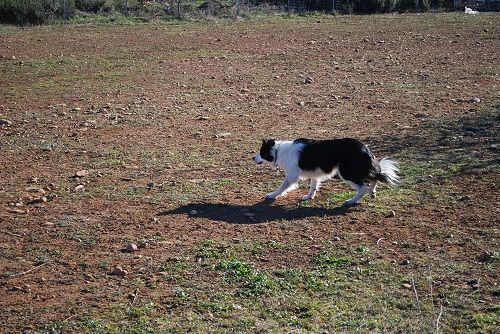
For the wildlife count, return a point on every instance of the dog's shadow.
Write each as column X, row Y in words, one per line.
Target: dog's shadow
column 252, row 214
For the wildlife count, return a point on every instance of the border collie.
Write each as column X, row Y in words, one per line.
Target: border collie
column 320, row 160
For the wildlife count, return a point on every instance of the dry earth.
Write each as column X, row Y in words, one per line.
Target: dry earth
column 163, row 119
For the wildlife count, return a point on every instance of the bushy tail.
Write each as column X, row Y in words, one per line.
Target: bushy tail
column 388, row 171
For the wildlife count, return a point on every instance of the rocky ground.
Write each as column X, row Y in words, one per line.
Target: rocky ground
column 129, row 202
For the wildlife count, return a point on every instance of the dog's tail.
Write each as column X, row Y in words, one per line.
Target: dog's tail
column 388, row 171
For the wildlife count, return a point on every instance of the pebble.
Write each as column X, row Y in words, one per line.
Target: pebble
column 19, row 211
column 406, row 286
column 143, row 244
column 4, row 121
column 193, row 213
column 390, row 214
column 42, row 199
column 474, row 100
column 131, row 247
column 79, row 187
column 33, row 189
column 118, row 271
column 421, row 115
column 249, row 214
column 494, row 146
column 82, row 173
column 223, row 135
column 308, row 80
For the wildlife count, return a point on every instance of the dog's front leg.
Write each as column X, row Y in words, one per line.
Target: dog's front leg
column 287, row 185
column 313, row 188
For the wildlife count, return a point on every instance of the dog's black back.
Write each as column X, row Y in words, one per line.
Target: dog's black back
column 354, row 160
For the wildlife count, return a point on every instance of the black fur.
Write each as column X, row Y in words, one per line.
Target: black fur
column 265, row 149
column 355, row 161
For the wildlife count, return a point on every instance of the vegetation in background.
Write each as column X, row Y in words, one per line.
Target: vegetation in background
column 23, row 12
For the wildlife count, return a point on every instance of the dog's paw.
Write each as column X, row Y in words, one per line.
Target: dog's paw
column 307, row 197
column 270, row 196
column 350, row 203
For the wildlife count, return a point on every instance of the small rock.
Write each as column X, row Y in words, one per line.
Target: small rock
column 421, row 115
column 4, row 121
column 308, row 80
column 406, row 286
column 82, row 173
column 79, row 187
column 193, row 213
column 203, row 118
column 223, row 135
column 18, row 211
column 118, row 271
column 486, row 257
column 474, row 100
column 237, row 307
column 390, row 214
column 42, row 199
column 142, row 244
column 16, row 288
column 34, row 189
column 249, row 214
column 494, row 146
column 473, row 281
column 198, row 134
column 131, row 247
column 132, row 296
column 302, row 103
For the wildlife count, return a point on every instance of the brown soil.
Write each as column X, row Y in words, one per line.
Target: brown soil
column 135, row 99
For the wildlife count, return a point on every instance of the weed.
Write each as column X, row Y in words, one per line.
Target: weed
column 252, row 282
column 329, row 260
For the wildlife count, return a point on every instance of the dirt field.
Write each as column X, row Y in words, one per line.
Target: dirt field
column 145, row 134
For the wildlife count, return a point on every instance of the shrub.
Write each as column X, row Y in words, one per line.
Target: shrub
column 89, row 5
column 34, row 11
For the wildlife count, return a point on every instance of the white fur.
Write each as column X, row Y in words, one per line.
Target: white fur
column 288, row 161
column 390, row 169
column 288, row 154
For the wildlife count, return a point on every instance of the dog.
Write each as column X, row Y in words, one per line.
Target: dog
column 320, row 160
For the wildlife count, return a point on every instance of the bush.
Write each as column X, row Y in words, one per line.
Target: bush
column 89, row 5
column 34, row 11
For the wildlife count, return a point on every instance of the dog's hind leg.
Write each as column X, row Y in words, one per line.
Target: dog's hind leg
column 372, row 190
column 287, row 185
column 313, row 188
column 360, row 192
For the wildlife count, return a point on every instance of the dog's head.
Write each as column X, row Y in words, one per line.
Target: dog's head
column 266, row 152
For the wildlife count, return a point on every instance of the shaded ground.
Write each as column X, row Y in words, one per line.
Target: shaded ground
column 165, row 118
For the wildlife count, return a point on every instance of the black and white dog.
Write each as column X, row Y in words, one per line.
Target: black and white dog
column 320, row 160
